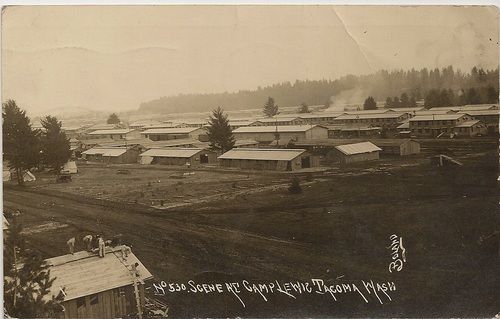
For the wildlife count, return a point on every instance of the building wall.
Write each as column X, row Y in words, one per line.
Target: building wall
column 471, row 131
column 110, row 304
column 270, row 165
column 131, row 156
column 409, row 148
column 285, row 137
column 317, row 132
column 406, row 148
column 166, row 137
column 195, row 160
column 339, row 157
column 435, row 127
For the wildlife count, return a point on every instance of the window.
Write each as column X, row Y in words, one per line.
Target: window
column 94, row 299
column 80, row 302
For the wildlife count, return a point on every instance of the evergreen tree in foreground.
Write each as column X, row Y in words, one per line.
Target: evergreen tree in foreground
column 55, row 145
column 21, row 147
column 270, row 108
column 27, row 279
column 220, row 134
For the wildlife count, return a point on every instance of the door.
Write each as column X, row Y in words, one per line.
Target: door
column 306, row 162
column 204, row 159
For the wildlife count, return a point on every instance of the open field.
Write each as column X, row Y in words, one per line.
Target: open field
column 249, row 227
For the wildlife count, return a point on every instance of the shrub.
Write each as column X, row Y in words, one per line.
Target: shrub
column 295, row 187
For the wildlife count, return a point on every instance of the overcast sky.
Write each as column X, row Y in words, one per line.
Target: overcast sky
column 99, row 57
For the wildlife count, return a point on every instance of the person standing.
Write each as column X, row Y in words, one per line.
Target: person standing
column 71, row 245
column 102, row 246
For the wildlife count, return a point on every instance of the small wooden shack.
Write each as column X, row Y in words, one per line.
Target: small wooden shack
column 178, row 156
column 267, row 159
column 357, row 152
column 401, row 147
column 94, row 287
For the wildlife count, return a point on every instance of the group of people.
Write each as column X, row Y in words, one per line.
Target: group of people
column 91, row 244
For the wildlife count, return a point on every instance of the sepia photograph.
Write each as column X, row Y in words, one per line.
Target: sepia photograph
column 250, row 161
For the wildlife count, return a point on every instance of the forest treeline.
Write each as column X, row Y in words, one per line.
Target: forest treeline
column 416, row 84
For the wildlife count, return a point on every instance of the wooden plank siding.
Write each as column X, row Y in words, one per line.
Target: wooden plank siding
column 108, row 304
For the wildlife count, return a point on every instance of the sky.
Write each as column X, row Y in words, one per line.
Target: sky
column 115, row 57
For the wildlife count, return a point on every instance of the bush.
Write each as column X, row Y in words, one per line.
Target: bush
column 295, row 187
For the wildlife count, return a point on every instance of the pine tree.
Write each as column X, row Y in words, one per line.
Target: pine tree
column 405, row 100
column 491, row 95
column 27, row 279
column 270, row 108
column 55, row 145
column 370, row 104
column 388, row 102
column 219, row 134
column 21, row 144
column 396, row 102
column 113, row 119
column 472, row 96
column 413, row 101
column 304, row 108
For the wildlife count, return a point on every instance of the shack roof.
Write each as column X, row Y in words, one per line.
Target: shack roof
column 172, row 152
column 85, row 273
column 113, row 131
column 260, row 154
column 106, row 151
column 173, row 130
column 404, row 125
column 272, row 129
column 358, row 148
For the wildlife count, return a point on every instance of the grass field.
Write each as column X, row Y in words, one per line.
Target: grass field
column 227, row 226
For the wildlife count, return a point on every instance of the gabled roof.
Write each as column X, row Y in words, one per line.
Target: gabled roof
column 479, row 107
column 434, row 111
column 436, row 117
column 261, row 154
column 358, row 148
column 174, row 130
column 172, row 152
column 245, row 142
column 113, row 131
column 320, row 115
column 271, row 129
column 388, row 115
column 480, row 112
column 106, row 151
column 85, row 273
column 277, row 119
column 468, row 123
column 377, row 111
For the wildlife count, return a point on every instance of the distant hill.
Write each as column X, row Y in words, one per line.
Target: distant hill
column 349, row 89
